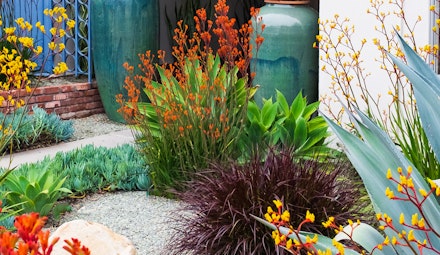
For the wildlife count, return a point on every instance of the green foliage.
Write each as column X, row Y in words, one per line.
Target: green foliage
column 278, row 124
column 36, row 191
column 187, row 125
column 92, row 169
column 32, row 129
column 7, row 212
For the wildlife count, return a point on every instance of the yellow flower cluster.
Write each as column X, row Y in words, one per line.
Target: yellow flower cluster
column 275, row 217
column 14, row 72
column 405, row 185
column 60, row 68
column 15, row 66
column 291, row 240
column 407, row 192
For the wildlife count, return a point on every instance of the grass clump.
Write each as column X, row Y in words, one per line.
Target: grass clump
column 224, row 197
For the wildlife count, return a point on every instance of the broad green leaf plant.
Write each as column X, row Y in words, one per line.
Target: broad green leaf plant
column 280, row 124
column 38, row 191
column 404, row 201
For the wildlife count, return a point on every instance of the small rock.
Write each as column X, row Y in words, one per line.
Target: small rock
column 98, row 238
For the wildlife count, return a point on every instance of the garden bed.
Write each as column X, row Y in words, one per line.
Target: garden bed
column 69, row 97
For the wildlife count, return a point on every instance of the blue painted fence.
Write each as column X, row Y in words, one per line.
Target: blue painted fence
column 77, row 54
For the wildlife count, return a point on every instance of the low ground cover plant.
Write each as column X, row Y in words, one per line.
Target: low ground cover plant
column 39, row 187
column 38, row 128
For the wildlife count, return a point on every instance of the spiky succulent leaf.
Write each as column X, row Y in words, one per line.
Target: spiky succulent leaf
column 426, row 84
column 372, row 156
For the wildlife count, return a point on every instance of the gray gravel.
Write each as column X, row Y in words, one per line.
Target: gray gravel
column 144, row 219
column 94, row 125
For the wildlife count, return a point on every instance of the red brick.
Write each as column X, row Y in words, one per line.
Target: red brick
column 89, row 99
column 66, row 88
column 52, row 104
column 60, row 110
column 82, row 86
column 36, row 91
column 60, row 96
column 76, row 108
column 44, row 98
column 32, row 100
column 97, row 110
column 98, row 98
column 93, row 105
column 51, row 90
column 74, row 101
column 91, row 92
column 75, row 94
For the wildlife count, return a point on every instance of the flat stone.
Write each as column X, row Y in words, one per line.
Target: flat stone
column 97, row 237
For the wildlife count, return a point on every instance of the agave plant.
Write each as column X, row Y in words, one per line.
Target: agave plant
column 38, row 191
column 415, row 228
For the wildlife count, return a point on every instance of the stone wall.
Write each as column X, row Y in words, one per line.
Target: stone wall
column 75, row 100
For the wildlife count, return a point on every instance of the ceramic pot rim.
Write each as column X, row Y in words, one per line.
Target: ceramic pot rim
column 286, row 2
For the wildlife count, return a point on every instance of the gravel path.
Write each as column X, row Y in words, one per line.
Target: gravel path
column 94, row 125
column 145, row 220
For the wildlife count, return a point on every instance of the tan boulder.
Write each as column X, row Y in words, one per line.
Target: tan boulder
column 97, row 237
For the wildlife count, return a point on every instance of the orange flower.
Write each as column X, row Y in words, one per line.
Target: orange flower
column 28, row 226
column 8, row 241
column 74, row 247
column 43, row 238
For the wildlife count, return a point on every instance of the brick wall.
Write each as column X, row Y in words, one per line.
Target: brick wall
column 69, row 101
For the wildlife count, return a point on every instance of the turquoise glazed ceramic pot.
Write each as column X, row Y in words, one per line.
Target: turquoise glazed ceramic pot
column 287, row 61
column 120, row 30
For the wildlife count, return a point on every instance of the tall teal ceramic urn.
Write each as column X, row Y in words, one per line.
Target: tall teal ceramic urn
column 287, row 60
column 120, row 30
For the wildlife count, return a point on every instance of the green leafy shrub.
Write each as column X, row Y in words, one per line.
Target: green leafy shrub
column 91, row 169
column 36, row 191
column 221, row 199
column 278, row 124
column 37, row 128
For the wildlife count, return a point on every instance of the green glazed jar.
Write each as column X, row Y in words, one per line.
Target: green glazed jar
column 287, row 60
column 120, row 30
